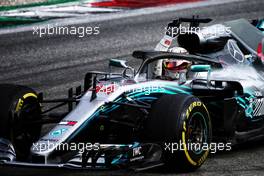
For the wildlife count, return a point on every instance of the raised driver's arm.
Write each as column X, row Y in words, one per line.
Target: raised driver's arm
column 172, row 30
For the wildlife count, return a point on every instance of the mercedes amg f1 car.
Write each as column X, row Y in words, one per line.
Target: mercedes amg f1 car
column 138, row 120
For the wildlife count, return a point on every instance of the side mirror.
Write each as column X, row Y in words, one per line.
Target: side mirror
column 202, row 68
column 121, row 64
column 118, row 63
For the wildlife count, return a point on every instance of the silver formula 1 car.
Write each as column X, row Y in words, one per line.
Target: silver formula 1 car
column 150, row 117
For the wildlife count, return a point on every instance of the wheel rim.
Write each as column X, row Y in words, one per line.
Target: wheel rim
column 197, row 133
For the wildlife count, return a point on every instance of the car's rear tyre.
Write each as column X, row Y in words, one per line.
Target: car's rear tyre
column 19, row 107
column 176, row 122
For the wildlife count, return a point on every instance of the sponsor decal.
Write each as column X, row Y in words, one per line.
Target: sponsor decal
column 137, row 151
column 68, row 123
column 108, row 89
column 137, row 154
column 167, row 42
column 58, row 132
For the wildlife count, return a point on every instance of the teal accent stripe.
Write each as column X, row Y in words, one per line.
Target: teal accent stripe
column 177, row 89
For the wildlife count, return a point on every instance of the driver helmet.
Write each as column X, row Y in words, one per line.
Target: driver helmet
column 173, row 69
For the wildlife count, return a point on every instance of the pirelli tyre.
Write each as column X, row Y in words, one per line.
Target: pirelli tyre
column 181, row 125
column 19, row 109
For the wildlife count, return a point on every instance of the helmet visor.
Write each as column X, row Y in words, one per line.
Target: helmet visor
column 176, row 65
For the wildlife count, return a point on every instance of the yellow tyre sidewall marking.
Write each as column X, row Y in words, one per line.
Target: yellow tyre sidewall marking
column 21, row 101
column 188, row 112
column 186, row 151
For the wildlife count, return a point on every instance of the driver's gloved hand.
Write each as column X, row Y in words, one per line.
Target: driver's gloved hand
column 173, row 28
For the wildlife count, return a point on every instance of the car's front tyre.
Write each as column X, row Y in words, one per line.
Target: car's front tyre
column 19, row 106
column 181, row 125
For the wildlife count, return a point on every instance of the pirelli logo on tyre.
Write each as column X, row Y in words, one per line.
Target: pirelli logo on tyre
column 203, row 158
column 190, row 108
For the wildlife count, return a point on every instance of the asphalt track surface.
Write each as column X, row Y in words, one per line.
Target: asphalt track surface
column 55, row 63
